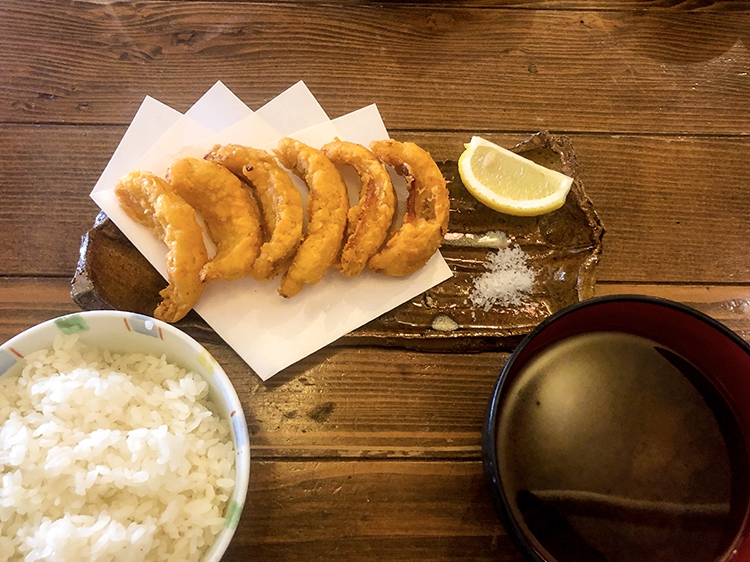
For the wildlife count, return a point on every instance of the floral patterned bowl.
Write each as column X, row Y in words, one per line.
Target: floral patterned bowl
column 125, row 332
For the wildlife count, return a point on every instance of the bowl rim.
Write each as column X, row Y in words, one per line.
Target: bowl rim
column 489, row 448
column 241, row 439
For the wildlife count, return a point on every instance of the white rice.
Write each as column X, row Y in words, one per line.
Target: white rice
column 107, row 457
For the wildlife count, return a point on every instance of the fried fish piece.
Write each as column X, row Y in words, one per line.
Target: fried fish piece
column 280, row 203
column 427, row 209
column 327, row 206
column 150, row 201
column 369, row 220
column 230, row 213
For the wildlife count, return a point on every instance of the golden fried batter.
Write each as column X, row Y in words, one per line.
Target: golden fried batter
column 369, row 220
column 279, row 200
column 230, row 213
column 427, row 209
column 327, row 206
column 150, row 201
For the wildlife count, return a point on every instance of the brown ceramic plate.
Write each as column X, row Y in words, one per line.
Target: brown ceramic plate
column 563, row 248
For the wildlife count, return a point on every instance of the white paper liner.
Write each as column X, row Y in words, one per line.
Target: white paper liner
column 267, row 331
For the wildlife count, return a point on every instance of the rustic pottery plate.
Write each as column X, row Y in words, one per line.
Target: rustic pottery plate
column 563, row 248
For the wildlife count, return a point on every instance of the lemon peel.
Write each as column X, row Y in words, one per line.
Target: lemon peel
column 509, row 183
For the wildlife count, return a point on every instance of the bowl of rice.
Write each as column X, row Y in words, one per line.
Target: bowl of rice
column 121, row 438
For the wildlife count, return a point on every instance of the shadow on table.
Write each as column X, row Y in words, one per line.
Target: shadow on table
column 684, row 37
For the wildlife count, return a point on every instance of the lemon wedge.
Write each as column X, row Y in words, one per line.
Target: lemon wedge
column 509, row 183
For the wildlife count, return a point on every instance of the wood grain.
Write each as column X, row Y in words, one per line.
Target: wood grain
column 467, row 68
column 728, row 304
column 47, row 174
column 569, row 5
column 338, row 402
column 655, row 194
column 25, row 302
column 361, row 403
column 345, row 511
column 650, row 191
column 368, row 453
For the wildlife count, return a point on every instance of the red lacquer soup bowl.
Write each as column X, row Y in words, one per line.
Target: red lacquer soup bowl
column 618, row 431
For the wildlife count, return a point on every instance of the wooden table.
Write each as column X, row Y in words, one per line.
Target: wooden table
column 374, row 454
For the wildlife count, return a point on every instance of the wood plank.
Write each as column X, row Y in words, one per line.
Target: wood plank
column 364, row 403
column 660, row 71
column 28, row 301
column 669, row 210
column 47, row 174
column 657, row 196
column 339, row 401
column 569, row 5
column 728, row 304
column 346, row 511
column 659, row 199
column 25, row 302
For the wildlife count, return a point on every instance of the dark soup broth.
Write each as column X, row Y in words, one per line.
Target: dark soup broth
column 613, row 448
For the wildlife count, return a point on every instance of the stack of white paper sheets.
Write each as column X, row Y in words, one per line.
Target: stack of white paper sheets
column 266, row 330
